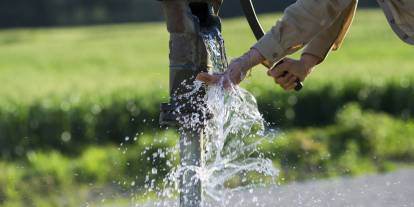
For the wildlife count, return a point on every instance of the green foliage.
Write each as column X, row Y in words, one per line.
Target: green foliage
column 318, row 106
column 152, row 151
column 100, row 165
column 359, row 142
column 70, row 127
column 9, row 182
column 53, row 175
column 27, row 184
column 51, row 169
column 377, row 135
column 72, row 90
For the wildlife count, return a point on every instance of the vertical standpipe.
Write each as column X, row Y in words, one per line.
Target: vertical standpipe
column 188, row 57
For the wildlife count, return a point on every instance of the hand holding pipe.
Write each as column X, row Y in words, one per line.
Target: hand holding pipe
column 258, row 32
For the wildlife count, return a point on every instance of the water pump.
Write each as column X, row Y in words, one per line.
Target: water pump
column 191, row 23
column 187, row 21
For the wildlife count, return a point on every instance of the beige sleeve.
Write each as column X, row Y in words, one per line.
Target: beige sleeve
column 331, row 38
column 301, row 23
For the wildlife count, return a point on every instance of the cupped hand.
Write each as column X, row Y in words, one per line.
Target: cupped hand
column 236, row 71
column 232, row 76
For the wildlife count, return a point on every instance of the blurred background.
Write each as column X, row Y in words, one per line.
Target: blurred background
column 81, row 83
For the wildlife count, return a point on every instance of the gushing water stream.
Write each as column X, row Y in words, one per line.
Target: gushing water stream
column 230, row 156
column 232, row 135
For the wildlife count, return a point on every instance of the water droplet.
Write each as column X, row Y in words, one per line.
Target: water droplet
column 66, row 136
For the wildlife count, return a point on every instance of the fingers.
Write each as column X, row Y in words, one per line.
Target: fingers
column 282, row 80
column 287, row 82
column 291, row 83
column 212, row 79
column 281, row 68
column 208, row 79
column 286, row 73
column 276, row 72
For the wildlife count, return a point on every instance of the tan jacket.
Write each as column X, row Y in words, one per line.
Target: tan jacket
column 321, row 25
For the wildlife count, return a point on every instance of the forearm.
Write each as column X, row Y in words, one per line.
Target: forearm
column 253, row 57
column 248, row 60
column 301, row 22
column 310, row 60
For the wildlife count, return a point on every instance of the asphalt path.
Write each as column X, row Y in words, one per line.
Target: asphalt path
column 386, row 190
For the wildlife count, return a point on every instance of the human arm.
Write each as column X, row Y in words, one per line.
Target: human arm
column 301, row 23
column 314, row 53
column 236, row 71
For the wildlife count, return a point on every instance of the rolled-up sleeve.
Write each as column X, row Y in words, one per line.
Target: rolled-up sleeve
column 301, row 23
column 332, row 37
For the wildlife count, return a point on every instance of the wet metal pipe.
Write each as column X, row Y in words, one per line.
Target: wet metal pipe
column 188, row 57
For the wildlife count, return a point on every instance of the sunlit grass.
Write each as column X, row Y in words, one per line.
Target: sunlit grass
column 101, row 60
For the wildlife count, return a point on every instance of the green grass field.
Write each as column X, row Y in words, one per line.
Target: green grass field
column 96, row 61
column 90, row 80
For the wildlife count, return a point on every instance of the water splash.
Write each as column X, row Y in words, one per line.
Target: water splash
column 230, row 155
column 232, row 135
column 231, row 145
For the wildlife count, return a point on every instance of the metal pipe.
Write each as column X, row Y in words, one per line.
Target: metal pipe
column 190, row 184
column 188, row 57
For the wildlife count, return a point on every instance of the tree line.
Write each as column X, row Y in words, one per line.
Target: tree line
column 33, row 13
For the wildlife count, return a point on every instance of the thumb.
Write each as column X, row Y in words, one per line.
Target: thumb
column 207, row 78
